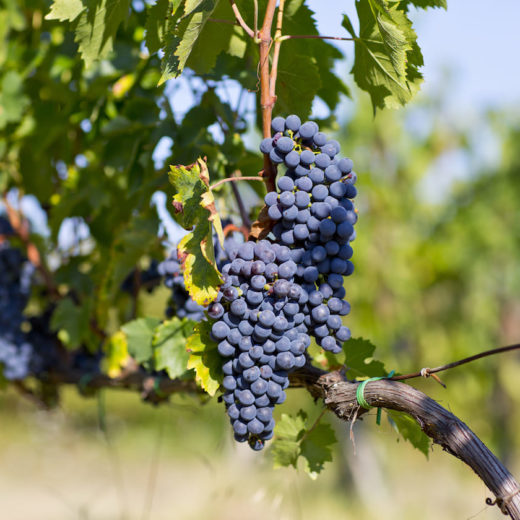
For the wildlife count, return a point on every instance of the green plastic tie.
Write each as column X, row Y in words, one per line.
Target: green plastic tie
column 360, row 395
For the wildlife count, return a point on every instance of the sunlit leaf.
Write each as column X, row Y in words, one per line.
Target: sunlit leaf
column 409, row 430
column 65, row 10
column 181, row 36
column 204, row 358
column 139, row 336
column 169, row 345
column 96, row 29
column 386, row 53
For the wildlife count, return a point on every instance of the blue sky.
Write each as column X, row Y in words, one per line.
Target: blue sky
column 478, row 41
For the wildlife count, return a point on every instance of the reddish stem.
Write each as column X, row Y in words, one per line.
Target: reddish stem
column 266, row 100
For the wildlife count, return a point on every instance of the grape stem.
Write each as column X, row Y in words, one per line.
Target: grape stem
column 312, row 36
column 241, row 208
column 222, row 20
column 255, row 20
column 240, row 20
column 267, row 101
column 276, row 52
column 233, row 179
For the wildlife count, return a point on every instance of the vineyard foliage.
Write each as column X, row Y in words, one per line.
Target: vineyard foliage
column 94, row 122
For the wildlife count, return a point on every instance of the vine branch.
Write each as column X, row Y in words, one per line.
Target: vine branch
column 339, row 396
column 444, row 428
column 235, row 179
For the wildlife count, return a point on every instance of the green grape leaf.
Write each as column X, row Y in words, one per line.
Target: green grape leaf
column 139, row 336
column 294, row 438
column 196, row 206
column 97, row 27
column 63, row 10
column 71, row 322
column 169, row 345
column 386, row 53
column 358, row 358
column 155, row 27
column 116, row 354
column 289, row 430
column 204, row 358
column 409, row 430
column 215, row 39
column 299, row 19
column 181, row 35
column 298, row 83
column 316, row 448
column 13, row 101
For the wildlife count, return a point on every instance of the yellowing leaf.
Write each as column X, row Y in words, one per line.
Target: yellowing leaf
column 196, row 205
column 204, row 358
column 116, row 350
column 208, row 202
column 123, row 85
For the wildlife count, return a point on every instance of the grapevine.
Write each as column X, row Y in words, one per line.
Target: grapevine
column 237, row 288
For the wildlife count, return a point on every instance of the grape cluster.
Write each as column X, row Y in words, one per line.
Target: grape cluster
column 315, row 217
column 260, row 330
column 15, row 285
column 180, row 304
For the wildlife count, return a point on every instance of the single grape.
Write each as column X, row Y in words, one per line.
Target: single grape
column 215, row 311
column 284, row 145
column 307, row 130
column 304, row 184
column 322, row 160
column 306, row 158
column 293, row 123
column 219, row 330
column 319, row 139
column 329, row 149
column 345, row 165
column 271, row 198
column 278, row 124
column 285, row 183
column 287, row 199
column 276, row 156
column 343, row 334
column 266, row 145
